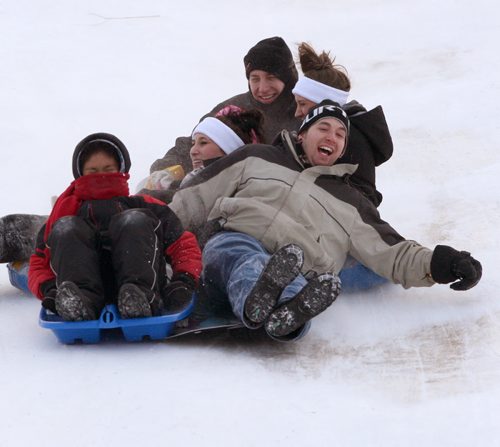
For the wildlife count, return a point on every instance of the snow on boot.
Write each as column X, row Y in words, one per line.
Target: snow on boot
column 18, row 233
column 135, row 302
column 316, row 296
column 72, row 304
column 281, row 269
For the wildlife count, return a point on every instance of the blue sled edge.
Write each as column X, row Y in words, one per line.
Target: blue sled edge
column 133, row 329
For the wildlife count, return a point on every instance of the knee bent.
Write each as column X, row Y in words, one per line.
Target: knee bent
column 132, row 219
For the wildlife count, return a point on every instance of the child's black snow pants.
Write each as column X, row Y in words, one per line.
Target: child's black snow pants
column 130, row 250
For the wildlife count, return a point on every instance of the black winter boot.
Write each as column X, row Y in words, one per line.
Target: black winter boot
column 136, row 302
column 72, row 304
column 281, row 269
column 316, row 296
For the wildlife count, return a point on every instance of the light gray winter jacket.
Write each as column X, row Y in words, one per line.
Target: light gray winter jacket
column 266, row 192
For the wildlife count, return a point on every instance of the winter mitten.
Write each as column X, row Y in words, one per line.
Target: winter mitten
column 49, row 291
column 178, row 293
column 449, row 265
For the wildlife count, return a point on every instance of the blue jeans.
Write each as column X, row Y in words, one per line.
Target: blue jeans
column 232, row 264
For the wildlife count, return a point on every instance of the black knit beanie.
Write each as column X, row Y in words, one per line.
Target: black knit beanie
column 326, row 108
column 274, row 56
column 93, row 143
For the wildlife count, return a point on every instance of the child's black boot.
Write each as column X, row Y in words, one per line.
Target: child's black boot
column 73, row 304
column 137, row 302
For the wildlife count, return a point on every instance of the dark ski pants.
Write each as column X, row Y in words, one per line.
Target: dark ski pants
column 99, row 263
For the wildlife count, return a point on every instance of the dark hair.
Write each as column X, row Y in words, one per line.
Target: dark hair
column 96, row 147
column 321, row 68
column 247, row 124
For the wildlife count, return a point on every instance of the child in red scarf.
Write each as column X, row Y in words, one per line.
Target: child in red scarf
column 101, row 245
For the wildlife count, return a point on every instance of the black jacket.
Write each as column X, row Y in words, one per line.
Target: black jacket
column 369, row 145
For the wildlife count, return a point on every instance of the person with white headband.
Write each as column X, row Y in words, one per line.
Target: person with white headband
column 370, row 142
column 217, row 136
column 212, row 137
column 309, row 92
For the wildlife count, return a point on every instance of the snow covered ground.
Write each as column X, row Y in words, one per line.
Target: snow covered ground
column 388, row 367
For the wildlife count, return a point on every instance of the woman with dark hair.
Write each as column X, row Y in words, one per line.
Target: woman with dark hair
column 211, row 139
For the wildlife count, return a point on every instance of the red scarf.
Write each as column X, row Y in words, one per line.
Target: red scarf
column 88, row 187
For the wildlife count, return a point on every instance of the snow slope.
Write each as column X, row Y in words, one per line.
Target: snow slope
column 389, row 367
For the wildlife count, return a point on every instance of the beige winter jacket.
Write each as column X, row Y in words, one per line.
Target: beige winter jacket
column 266, row 192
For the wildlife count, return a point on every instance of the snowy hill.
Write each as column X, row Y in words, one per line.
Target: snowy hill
column 388, row 367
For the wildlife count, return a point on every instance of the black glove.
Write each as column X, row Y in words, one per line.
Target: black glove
column 448, row 265
column 49, row 291
column 178, row 293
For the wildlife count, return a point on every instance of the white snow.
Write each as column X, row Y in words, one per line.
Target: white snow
column 388, row 367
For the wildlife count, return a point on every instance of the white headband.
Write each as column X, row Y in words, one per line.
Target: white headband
column 222, row 135
column 317, row 91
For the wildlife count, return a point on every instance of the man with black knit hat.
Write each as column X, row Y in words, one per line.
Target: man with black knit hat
column 268, row 61
column 101, row 245
column 270, row 64
column 288, row 220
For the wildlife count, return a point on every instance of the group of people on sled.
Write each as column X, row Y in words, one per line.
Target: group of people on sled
column 266, row 204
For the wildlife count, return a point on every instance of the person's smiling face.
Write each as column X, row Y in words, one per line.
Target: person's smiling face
column 303, row 106
column 324, row 141
column 265, row 87
column 203, row 148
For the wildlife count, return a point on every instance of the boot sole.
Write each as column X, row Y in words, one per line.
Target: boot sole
column 132, row 303
column 282, row 268
column 70, row 306
column 314, row 298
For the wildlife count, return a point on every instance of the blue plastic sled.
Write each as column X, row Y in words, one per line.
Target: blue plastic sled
column 18, row 275
column 165, row 326
column 133, row 329
column 355, row 277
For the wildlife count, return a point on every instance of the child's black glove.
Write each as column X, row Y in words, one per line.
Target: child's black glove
column 178, row 293
column 49, row 291
column 448, row 265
